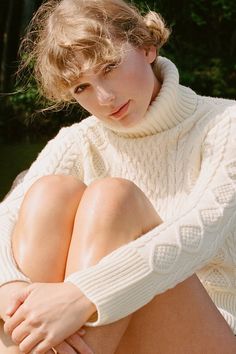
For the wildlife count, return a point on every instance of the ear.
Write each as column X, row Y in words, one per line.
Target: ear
column 151, row 54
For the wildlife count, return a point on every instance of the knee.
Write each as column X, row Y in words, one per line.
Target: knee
column 122, row 202
column 55, row 189
column 114, row 193
column 108, row 212
column 113, row 212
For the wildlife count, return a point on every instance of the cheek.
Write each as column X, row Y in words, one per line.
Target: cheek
column 137, row 77
column 87, row 102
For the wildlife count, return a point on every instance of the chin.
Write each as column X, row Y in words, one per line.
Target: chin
column 130, row 122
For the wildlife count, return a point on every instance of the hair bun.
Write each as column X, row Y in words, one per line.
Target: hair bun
column 157, row 27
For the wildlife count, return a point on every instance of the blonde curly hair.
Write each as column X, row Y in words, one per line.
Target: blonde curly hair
column 65, row 38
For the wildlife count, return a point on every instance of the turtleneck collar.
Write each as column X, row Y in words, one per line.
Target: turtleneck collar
column 173, row 104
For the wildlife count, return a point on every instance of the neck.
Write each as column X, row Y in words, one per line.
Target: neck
column 157, row 88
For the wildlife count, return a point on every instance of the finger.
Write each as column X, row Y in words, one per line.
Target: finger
column 41, row 346
column 19, row 333
column 31, row 342
column 65, row 348
column 17, row 300
column 14, row 321
column 79, row 344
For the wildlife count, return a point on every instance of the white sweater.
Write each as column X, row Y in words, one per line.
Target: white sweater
column 183, row 156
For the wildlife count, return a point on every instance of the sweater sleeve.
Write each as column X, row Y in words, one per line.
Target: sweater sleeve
column 58, row 157
column 129, row 277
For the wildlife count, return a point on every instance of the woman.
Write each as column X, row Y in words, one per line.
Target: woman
column 125, row 205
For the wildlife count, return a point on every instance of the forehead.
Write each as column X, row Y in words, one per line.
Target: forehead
column 89, row 71
column 77, row 67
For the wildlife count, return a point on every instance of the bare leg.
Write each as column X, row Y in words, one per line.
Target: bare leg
column 38, row 225
column 106, row 339
column 183, row 320
column 112, row 213
column 43, row 233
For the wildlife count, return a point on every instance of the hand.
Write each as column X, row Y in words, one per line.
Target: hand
column 7, row 294
column 43, row 315
column 73, row 345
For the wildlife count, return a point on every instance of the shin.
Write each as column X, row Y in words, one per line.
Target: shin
column 42, row 234
column 112, row 213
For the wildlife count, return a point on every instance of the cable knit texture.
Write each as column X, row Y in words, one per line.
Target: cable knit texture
column 182, row 154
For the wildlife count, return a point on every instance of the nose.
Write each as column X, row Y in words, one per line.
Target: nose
column 105, row 95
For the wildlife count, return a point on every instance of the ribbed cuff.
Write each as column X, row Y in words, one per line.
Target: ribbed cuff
column 118, row 287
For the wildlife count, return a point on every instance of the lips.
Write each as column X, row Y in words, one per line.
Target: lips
column 120, row 111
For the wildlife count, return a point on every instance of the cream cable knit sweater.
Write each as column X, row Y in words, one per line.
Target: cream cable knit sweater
column 183, row 156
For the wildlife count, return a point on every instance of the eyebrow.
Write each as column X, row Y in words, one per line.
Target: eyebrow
column 97, row 68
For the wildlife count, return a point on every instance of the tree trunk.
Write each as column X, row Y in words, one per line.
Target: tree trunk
column 5, row 40
column 11, row 32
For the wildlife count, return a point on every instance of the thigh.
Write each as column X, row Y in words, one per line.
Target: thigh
column 182, row 320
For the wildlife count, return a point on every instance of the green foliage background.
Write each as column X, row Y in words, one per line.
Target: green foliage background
column 202, row 44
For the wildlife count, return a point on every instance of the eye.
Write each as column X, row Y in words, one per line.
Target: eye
column 80, row 88
column 108, row 68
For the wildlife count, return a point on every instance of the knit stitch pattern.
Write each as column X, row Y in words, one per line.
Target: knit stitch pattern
column 182, row 156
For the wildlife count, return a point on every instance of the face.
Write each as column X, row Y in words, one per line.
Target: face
column 120, row 93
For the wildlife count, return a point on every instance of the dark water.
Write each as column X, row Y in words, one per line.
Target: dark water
column 15, row 158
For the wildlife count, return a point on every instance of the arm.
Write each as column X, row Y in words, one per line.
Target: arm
column 131, row 276
column 58, row 157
